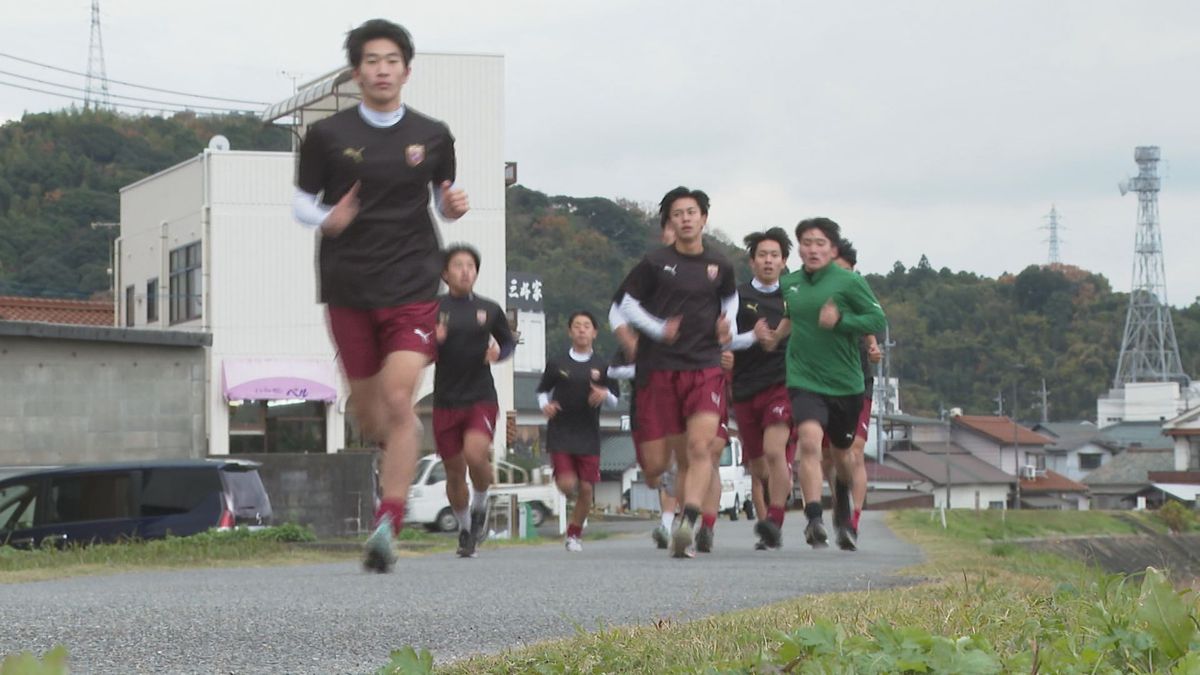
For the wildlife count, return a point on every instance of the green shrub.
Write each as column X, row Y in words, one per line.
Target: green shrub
column 1176, row 516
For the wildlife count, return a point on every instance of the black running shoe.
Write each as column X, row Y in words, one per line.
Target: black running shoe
column 769, row 533
column 847, row 538
column 466, row 544
column 478, row 526
column 815, row 535
column 704, row 540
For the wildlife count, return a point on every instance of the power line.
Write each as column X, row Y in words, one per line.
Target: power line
column 116, row 105
column 128, row 98
column 130, row 84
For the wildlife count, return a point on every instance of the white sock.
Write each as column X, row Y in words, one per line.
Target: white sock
column 668, row 519
column 479, row 500
column 464, row 519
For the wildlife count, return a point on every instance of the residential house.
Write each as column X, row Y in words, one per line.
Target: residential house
column 954, row 476
column 1117, row 484
column 1052, row 490
column 1001, row 442
column 1077, row 448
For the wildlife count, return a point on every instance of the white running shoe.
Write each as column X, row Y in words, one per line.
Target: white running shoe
column 574, row 545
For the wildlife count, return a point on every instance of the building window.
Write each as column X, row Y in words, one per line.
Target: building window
column 276, row 426
column 152, row 301
column 185, row 283
column 1039, row 461
column 1088, row 462
column 996, row 505
column 130, row 295
column 1193, row 453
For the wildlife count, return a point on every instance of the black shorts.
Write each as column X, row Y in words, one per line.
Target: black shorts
column 837, row 415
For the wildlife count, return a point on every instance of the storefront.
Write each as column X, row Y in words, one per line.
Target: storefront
column 278, row 405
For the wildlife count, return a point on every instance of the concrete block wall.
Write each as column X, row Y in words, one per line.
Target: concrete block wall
column 332, row 493
column 70, row 401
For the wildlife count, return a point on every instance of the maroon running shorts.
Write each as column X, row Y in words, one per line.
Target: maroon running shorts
column 364, row 337
column 451, row 424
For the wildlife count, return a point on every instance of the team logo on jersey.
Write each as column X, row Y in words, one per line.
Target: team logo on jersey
column 481, row 316
column 752, row 307
column 423, row 335
column 563, row 373
column 595, row 375
column 414, row 154
column 669, row 268
column 355, row 154
column 713, row 271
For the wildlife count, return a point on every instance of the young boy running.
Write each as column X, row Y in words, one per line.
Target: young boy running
column 679, row 298
column 472, row 334
column 827, row 310
column 760, row 399
column 572, row 390
column 365, row 177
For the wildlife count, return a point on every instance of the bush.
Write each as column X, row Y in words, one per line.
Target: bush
column 1176, row 516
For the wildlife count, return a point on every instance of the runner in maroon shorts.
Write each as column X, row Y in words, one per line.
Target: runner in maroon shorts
column 572, row 390
column 472, row 334
column 869, row 354
column 364, row 179
column 679, row 297
column 761, row 404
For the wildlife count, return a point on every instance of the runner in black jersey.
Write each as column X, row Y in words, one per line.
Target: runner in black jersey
column 364, row 178
column 682, row 298
column 627, row 338
column 850, row 491
column 573, row 388
column 760, row 399
column 472, row 334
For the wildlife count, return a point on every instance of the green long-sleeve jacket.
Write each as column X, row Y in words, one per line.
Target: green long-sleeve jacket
column 826, row 361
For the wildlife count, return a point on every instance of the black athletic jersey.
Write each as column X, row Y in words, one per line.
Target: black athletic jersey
column 462, row 376
column 868, row 368
column 575, row 428
column 668, row 283
column 389, row 255
column 755, row 369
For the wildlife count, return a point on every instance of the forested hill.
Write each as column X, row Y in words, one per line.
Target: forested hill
column 959, row 336
column 60, row 171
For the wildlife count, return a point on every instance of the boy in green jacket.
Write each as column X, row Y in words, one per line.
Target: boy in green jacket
column 827, row 310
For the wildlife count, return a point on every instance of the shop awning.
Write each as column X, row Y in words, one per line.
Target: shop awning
column 273, row 379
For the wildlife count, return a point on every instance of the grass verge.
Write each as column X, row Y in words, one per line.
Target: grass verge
column 983, row 610
column 260, row 548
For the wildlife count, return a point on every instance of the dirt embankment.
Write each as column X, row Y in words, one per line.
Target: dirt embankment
column 1179, row 554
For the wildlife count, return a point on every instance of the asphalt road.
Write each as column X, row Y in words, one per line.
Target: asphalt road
column 334, row 618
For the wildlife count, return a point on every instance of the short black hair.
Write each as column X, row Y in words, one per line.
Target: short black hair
column 831, row 230
column 664, row 207
column 374, row 30
column 582, row 312
column 775, row 234
column 847, row 252
column 455, row 249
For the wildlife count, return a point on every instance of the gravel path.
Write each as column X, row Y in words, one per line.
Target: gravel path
column 333, row 618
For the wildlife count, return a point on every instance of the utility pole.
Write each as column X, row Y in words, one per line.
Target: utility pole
column 1016, row 447
column 885, row 402
column 1045, row 403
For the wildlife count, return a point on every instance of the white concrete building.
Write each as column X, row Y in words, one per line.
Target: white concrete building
column 210, row 245
column 1145, row 402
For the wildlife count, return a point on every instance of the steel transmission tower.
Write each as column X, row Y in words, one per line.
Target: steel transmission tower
column 1149, row 352
column 1054, row 240
column 96, row 89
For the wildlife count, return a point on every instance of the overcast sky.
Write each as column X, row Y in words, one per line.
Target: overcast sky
column 943, row 128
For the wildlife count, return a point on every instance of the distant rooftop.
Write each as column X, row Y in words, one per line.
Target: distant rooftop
column 56, row 310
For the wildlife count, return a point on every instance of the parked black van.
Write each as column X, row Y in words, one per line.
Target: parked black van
column 89, row 503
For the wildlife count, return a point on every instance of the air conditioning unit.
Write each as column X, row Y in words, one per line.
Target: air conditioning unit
column 1029, row 471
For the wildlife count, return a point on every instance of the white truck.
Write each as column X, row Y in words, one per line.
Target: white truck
column 735, row 480
column 428, row 504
